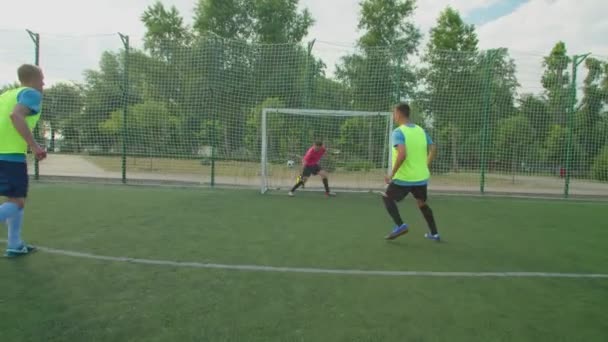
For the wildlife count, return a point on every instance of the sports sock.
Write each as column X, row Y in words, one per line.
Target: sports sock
column 326, row 184
column 298, row 184
column 392, row 209
column 14, row 230
column 430, row 219
column 8, row 210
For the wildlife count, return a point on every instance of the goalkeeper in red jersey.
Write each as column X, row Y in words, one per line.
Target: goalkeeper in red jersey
column 310, row 166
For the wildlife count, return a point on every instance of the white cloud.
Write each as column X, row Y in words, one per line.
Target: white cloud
column 532, row 30
column 529, row 32
column 77, row 17
column 71, row 40
column 74, row 33
column 336, row 23
column 336, row 20
column 428, row 10
column 71, row 30
column 537, row 25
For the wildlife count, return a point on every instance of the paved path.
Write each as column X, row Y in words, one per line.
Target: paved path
column 61, row 165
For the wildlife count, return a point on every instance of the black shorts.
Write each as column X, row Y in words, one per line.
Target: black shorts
column 14, row 181
column 399, row 192
column 311, row 170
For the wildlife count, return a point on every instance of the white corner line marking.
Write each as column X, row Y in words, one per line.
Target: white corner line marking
column 264, row 268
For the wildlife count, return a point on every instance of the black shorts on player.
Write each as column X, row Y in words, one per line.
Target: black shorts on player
column 398, row 192
column 14, row 180
column 311, row 170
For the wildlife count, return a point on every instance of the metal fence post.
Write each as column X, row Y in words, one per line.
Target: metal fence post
column 125, row 99
column 310, row 75
column 36, row 39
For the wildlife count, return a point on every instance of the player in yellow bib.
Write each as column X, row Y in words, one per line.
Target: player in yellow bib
column 20, row 110
column 413, row 152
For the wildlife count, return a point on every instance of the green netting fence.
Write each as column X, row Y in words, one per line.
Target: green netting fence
column 504, row 122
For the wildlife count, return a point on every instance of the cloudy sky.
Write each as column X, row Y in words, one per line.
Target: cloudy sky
column 75, row 32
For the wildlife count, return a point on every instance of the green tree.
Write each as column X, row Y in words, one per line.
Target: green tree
column 63, row 104
column 279, row 21
column 514, row 139
column 359, row 137
column 556, row 81
column 226, row 18
column 600, row 166
column 150, row 127
column 588, row 124
column 102, row 95
column 536, row 110
column 276, row 125
column 235, row 75
column 379, row 75
column 330, row 94
column 453, row 84
column 283, row 71
column 166, row 32
column 497, row 66
column 451, row 33
column 388, row 23
column 555, row 147
column 215, row 72
column 265, row 21
column 503, row 82
column 104, row 91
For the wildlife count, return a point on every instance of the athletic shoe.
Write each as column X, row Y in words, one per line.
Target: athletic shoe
column 17, row 252
column 330, row 194
column 290, row 194
column 397, row 232
column 432, row 237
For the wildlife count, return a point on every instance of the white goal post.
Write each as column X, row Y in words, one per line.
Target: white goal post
column 358, row 142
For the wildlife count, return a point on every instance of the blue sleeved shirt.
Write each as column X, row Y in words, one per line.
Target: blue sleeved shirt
column 399, row 139
column 32, row 99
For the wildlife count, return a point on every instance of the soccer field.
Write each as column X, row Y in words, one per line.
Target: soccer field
column 168, row 291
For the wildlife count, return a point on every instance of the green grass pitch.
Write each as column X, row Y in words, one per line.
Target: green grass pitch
column 51, row 297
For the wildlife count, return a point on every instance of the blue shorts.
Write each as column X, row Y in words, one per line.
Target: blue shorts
column 14, row 180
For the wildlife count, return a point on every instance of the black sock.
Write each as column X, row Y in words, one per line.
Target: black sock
column 430, row 220
column 391, row 207
column 326, row 184
column 300, row 183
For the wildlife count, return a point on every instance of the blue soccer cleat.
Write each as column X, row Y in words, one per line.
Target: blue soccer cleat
column 21, row 251
column 397, row 232
column 432, row 237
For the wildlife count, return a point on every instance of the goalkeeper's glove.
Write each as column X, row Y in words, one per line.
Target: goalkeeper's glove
column 298, row 179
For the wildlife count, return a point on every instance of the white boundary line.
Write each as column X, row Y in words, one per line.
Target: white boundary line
column 262, row 268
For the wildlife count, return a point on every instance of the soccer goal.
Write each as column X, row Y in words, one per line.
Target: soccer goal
column 358, row 147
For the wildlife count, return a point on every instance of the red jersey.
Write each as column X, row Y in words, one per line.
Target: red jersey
column 312, row 157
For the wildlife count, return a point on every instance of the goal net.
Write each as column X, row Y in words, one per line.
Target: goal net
column 358, row 147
